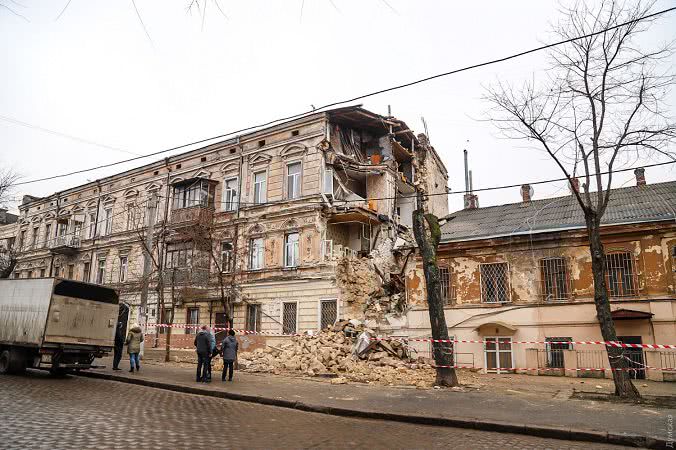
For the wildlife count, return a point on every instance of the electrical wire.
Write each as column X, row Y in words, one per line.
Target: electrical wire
column 359, row 97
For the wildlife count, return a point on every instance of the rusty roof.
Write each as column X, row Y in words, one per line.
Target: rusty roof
column 635, row 204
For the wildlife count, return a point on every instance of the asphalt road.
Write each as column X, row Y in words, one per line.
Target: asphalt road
column 40, row 412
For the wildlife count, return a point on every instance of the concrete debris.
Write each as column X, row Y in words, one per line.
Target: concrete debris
column 332, row 353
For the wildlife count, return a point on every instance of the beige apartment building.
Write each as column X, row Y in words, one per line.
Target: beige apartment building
column 521, row 272
column 271, row 220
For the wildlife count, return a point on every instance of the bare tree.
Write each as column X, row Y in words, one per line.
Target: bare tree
column 427, row 234
column 600, row 106
column 8, row 179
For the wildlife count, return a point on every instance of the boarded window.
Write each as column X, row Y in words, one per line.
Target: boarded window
column 495, row 283
column 620, row 275
column 290, row 318
column 328, row 313
column 554, row 279
column 254, row 315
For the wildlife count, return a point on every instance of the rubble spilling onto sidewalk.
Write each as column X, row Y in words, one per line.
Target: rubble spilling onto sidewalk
column 348, row 352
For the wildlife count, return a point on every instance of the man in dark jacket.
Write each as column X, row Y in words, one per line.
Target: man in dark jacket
column 229, row 348
column 117, row 348
column 203, row 347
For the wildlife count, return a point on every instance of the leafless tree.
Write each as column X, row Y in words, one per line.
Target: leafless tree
column 8, row 178
column 427, row 234
column 600, row 106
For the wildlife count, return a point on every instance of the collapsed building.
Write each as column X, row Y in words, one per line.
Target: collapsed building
column 283, row 230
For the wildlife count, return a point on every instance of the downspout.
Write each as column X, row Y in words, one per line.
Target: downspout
column 96, row 230
column 58, row 206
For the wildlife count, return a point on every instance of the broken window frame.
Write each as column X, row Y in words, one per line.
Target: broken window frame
column 294, row 180
column 292, row 249
column 555, row 282
column 488, row 279
column 256, row 253
column 621, row 276
column 260, row 187
column 230, row 198
column 254, row 316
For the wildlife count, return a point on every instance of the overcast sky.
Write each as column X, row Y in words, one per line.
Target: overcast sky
column 95, row 75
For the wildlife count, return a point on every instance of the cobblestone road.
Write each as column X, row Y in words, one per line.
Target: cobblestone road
column 39, row 412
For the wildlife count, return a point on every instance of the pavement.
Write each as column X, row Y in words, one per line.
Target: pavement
column 41, row 412
column 514, row 411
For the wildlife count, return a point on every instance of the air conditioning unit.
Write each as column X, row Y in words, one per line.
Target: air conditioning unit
column 328, row 182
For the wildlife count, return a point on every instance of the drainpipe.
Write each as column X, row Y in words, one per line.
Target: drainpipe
column 96, row 231
column 51, row 260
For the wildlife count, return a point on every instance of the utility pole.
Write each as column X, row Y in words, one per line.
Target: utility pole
column 150, row 231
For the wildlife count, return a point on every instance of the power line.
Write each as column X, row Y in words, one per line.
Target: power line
column 353, row 99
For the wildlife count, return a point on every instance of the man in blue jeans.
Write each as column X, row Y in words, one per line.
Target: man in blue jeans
column 203, row 347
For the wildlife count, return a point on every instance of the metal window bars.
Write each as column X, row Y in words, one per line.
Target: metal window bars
column 620, row 274
column 555, row 283
column 447, row 287
column 495, row 283
column 328, row 313
column 289, row 318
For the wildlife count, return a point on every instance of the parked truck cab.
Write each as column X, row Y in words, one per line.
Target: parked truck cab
column 55, row 324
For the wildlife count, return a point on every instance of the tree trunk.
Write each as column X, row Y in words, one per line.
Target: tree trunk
column 167, row 344
column 623, row 385
column 428, row 241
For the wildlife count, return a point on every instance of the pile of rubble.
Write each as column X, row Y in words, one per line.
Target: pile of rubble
column 344, row 358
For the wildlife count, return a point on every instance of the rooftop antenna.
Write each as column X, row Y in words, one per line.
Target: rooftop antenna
column 466, row 172
column 389, row 110
column 427, row 133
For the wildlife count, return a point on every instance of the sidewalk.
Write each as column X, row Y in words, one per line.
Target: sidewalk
column 513, row 411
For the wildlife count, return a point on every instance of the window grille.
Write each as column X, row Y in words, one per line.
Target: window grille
column 554, row 279
column 495, row 283
column 555, row 347
column 447, row 287
column 289, row 318
column 328, row 313
column 254, row 315
column 620, row 275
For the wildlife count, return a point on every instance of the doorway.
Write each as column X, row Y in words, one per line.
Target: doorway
column 498, row 353
column 635, row 357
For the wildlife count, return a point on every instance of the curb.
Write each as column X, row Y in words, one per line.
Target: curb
column 570, row 434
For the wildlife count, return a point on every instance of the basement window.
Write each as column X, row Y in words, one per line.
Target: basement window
column 621, row 275
column 494, row 283
column 554, row 279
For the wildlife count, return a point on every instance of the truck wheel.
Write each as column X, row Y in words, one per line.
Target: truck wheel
column 4, row 362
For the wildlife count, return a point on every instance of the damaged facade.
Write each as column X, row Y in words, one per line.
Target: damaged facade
column 296, row 225
column 522, row 272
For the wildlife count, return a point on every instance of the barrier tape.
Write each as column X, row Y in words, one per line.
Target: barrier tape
column 455, row 341
column 458, row 366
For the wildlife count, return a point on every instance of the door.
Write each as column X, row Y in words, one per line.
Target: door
column 498, row 351
column 634, row 356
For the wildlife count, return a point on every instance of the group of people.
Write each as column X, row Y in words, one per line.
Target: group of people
column 205, row 344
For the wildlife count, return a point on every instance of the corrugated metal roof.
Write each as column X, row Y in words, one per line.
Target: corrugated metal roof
column 635, row 204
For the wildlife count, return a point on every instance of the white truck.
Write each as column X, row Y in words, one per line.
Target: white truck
column 55, row 324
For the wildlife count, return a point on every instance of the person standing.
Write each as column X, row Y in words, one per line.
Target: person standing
column 134, row 339
column 203, row 348
column 229, row 348
column 118, row 345
column 212, row 351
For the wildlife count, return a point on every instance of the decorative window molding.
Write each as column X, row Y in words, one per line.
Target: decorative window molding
column 176, row 180
column 230, row 168
column 153, row 187
column 293, row 151
column 202, row 174
column 260, row 159
column 290, row 224
column 256, row 229
column 108, row 200
column 36, row 219
column 130, row 193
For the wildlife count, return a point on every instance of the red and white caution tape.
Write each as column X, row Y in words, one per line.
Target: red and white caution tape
column 454, row 341
column 586, row 369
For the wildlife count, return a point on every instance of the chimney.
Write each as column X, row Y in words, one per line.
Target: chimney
column 640, row 176
column 526, row 193
column 574, row 185
column 471, row 200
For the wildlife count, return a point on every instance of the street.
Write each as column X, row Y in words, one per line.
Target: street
column 40, row 412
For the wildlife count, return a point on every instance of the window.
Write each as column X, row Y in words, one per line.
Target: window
column 555, row 348
column 295, row 133
column 498, row 353
column 42, row 273
column 447, row 288
column 177, row 256
column 253, row 317
column 108, row 221
column 291, row 252
column 86, row 272
column 62, row 228
column 494, row 283
column 48, row 234
column 261, row 143
column 71, row 271
column 193, row 318
column 328, row 313
column 554, row 280
column 35, row 237
column 227, row 261
column 198, row 192
column 165, row 318
column 131, row 217
column 77, row 229
column 230, row 194
column 92, row 225
column 57, row 271
column 101, row 272
column 22, row 239
column 29, row 274
column 260, row 187
column 123, row 268
column 620, row 275
column 293, row 173
column 289, row 318
column 256, row 253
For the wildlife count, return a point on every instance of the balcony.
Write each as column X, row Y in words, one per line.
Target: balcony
column 65, row 245
column 186, row 277
column 192, row 216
